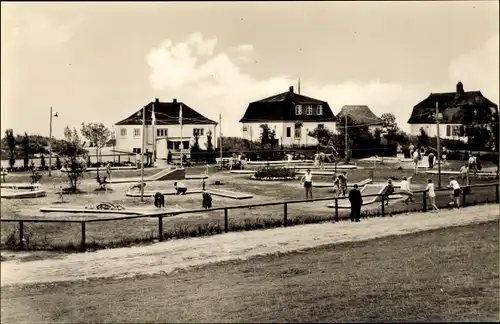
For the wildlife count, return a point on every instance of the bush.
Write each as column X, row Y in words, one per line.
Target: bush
column 269, row 172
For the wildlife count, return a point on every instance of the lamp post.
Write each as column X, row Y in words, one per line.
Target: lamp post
column 438, row 116
column 50, row 141
column 142, row 149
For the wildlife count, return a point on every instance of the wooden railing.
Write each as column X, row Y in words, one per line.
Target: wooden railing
column 162, row 214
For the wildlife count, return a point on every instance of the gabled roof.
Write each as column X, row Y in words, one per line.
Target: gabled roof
column 456, row 107
column 167, row 113
column 281, row 107
column 360, row 114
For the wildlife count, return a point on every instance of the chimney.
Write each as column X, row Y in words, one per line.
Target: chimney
column 157, row 100
column 290, row 90
column 175, row 100
column 460, row 88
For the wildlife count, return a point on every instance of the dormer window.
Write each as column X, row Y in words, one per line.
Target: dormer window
column 319, row 110
column 298, row 110
column 309, row 110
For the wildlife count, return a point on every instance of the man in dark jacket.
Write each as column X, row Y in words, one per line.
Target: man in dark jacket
column 356, row 203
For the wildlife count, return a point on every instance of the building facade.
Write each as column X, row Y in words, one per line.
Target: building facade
column 456, row 111
column 166, row 133
column 292, row 116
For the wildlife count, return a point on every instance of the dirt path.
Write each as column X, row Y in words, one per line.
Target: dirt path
column 168, row 256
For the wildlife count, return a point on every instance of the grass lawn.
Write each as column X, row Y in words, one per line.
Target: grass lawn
column 442, row 275
column 125, row 232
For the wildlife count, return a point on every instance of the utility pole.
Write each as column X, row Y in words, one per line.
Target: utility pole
column 182, row 138
column 220, row 139
column 438, row 145
column 142, row 151
column 345, row 126
column 50, row 141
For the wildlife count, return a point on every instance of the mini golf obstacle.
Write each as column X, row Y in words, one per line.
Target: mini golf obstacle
column 21, row 191
column 448, row 172
column 318, row 172
column 214, row 192
column 369, row 189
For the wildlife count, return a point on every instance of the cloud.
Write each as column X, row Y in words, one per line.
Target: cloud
column 218, row 85
column 478, row 69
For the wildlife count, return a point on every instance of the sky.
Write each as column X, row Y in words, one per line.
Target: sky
column 101, row 62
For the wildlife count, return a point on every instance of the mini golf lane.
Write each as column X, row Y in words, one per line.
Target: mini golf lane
column 331, row 185
column 369, row 189
column 83, row 210
column 215, row 192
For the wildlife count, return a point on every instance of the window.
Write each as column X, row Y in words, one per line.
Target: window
column 321, row 125
column 288, row 132
column 319, row 110
column 298, row 110
column 123, row 132
column 448, row 130
column 197, row 131
column 162, row 132
column 137, row 132
column 245, row 128
column 457, row 130
column 136, row 150
column 298, row 133
column 309, row 110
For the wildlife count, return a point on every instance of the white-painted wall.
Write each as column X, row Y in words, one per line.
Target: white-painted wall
column 252, row 131
column 445, row 131
column 129, row 141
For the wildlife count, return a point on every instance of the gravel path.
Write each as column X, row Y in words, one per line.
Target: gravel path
column 167, row 256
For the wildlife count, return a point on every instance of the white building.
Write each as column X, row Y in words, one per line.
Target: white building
column 292, row 116
column 168, row 129
column 457, row 109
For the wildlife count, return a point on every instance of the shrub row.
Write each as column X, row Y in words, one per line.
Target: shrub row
column 277, row 172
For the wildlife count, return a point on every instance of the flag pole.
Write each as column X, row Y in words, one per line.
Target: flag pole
column 182, row 139
column 142, row 151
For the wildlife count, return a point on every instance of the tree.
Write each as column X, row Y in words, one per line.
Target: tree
column 11, row 142
column 423, row 138
column 195, row 147
column 75, row 167
column 97, row 134
column 322, row 135
column 26, row 145
column 72, row 142
column 389, row 122
column 42, row 161
column 209, row 144
column 267, row 136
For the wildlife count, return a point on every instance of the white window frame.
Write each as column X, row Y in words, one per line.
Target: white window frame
column 309, row 110
column 321, row 125
column 319, row 110
column 298, row 109
column 298, row 132
column 123, row 132
column 162, row 132
column 198, row 131
column 137, row 132
column 245, row 128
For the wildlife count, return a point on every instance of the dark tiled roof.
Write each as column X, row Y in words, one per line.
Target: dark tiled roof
column 281, row 107
column 167, row 113
column 456, row 109
column 360, row 114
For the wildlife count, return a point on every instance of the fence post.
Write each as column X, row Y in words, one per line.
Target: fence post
column 383, row 205
column 83, row 246
column 424, row 197
column 285, row 215
column 118, row 159
column 464, row 195
column 497, row 193
column 226, row 221
column 160, row 228
column 21, row 235
column 336, row 209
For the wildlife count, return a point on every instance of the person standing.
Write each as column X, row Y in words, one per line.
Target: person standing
column 307, row 180
column 108, row 170
column 405, row 190
column 431, row 160
column 455, row 186
column 464, row 170
column 416, row 158
column 356, row 202
column 389, row 191
column 169, row 157
column 432, row 194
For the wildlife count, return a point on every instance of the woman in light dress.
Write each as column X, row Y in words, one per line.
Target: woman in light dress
column 432, row 194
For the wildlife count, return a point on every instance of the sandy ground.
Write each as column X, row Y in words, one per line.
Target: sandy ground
column 167, row 256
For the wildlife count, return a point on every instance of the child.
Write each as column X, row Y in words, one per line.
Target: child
column 464, row 170
column 108, row 170
column 455, row 186
column 432, row 194
column 389, row 191
column 180, row 188
column 307, row 179
column 207, row 200
column 405, row 190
